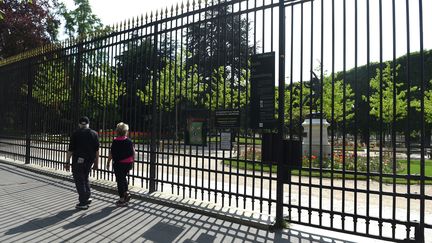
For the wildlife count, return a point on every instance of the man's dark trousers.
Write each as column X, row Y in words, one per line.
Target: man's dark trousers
column 81, row 174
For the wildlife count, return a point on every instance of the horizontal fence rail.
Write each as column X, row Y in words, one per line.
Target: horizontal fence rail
column 315, row 112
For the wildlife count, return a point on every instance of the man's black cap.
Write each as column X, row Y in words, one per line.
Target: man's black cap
column 84, row 120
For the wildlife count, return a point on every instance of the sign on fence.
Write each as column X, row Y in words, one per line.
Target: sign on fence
column 263, row 91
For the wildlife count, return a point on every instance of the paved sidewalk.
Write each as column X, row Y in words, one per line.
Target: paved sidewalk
column 38, row 208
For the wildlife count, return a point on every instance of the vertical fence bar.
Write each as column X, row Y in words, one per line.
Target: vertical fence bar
column 368, row 118
column 28, row 110
column 419, row 237
column 356, row 115
column 408, row 126
column 394, row 172
column 281, row 115
column 152, row 185
column 332, row 115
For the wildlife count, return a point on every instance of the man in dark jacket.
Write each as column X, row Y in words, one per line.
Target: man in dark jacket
column 84, row 150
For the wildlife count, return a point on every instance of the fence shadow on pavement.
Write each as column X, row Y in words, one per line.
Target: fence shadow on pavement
column 141, row 221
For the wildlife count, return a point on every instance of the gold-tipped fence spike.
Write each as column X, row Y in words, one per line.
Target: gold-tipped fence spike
column 166, row 11
column 151, row 15
column 172, row 9
column 187, row 4
column 193, row 3
column 182, row 5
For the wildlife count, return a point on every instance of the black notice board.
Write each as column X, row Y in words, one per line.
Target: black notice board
column 227, row 118
column 263, row 91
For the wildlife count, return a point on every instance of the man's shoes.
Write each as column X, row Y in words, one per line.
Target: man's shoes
column 82, row 206
column 89, row 201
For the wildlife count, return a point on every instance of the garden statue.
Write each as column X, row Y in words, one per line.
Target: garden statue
column 315, row 139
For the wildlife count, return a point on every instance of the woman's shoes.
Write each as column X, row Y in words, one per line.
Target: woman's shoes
column 127, row 197
column 121, row 203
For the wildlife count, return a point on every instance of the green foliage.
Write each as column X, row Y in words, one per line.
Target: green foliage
column 170, row 85
column 409, row 74
column 333, row 96
column 220, row 41
column 80, row 21
column 225, row 92
column 427, row 105
column 102, row 89
column 338, row 100
column 384, row 90
column 178, row 83
column 51, row 86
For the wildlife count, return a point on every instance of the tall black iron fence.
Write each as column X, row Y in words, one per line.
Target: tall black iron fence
column 315, row 112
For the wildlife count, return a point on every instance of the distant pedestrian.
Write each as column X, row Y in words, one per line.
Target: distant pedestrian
column 84, row 150
column 122, row 153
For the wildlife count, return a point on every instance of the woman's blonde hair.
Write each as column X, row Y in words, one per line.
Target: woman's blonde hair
column 122, row 129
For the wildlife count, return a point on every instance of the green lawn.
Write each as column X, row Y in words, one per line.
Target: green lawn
column 415, row 167
column 415, row 170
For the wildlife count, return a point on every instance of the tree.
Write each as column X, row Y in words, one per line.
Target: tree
column 427, row 105
column 136, row 66
column 385, row 90
column 51, row 90
column 101, row 93
column 27, row 25
column 219, row 41
column 81, row 21
column 337, row 101
column 333, row 101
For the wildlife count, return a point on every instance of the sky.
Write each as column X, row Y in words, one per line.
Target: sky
column 110, row 12
column 115, row 11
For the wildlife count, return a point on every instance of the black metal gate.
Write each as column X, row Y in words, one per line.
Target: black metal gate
column 315, row 112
